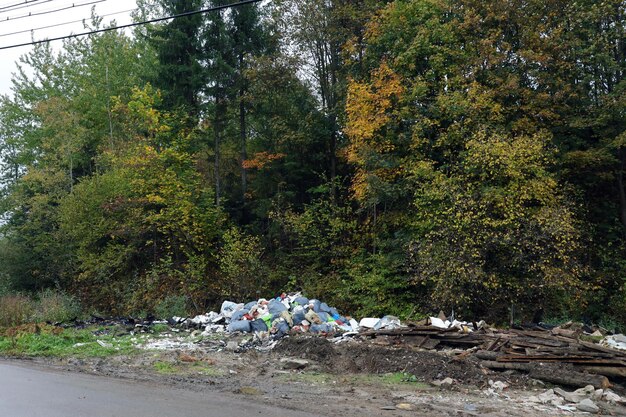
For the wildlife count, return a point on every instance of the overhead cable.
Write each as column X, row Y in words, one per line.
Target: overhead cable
column 21, row 4
column 31, row 14
column 62, row 24
column 159, row 19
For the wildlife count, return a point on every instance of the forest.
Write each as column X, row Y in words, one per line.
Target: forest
column 392, row 157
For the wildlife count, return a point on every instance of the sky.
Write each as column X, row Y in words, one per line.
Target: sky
column 20, row 15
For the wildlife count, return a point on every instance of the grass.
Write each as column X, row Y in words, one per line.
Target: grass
column 398, row 379
column 41, row 340
column 166, row 368
column 202, row 368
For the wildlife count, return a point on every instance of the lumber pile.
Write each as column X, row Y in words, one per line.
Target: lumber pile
column 523, row 350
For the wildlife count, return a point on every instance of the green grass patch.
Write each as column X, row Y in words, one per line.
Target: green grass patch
column 398, row 379
column 46, row 341
column 201, row 368
column 166, row 368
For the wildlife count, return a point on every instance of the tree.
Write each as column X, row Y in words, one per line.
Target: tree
column 179, row 51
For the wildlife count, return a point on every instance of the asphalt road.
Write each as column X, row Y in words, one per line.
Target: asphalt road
column 32, row 392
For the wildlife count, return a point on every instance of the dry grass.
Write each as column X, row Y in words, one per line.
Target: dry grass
column 15, row 310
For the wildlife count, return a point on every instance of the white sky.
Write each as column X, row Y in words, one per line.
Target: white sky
column 16, row 23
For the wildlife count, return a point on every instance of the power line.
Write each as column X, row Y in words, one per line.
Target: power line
column 22, row 3
column 160, row 19
column 11, row 19
column 62, row 24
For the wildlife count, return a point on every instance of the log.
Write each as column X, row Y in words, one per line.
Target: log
column 606, row 371
column 503, row 366
column 486, row 355
column 570, row 378
column 563, row 377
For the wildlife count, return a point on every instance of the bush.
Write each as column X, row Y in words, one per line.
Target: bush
column 56, row 306
column 170, row 306
column 15, row 310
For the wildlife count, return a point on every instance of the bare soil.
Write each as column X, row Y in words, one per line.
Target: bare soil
column 356, row 378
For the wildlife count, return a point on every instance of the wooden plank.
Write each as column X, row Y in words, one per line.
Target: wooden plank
column 599, row 348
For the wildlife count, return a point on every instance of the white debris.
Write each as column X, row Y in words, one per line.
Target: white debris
column 213, row 328
column 612, row 397
column 104, row 344
column 354, row 325
column 498, row 385
column 369, row 322
column 437, row 322
column 568, row 408
column 617, row 341
column 445, row 382
column 547, row 396
column 571, row 397
column 588, row 406
column 167, row 344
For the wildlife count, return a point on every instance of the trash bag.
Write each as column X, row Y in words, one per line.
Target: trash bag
column 249, row 305
column 313, row 317
column 301, row 301
column 279, row 328
column 239, row 326
column 276, row 307
column 324, row 317
column 238, row 315
column 298, row 315
column 322, row 328
column 258, row 325
column 316, row 305
column 324, row 308
column 228, row 308
column 368, row 322
column 388, row 322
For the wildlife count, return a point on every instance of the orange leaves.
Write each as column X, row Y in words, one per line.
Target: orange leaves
column 369, row 109
column 261, row 160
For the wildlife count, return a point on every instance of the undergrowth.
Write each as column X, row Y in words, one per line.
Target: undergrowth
column 43, row 340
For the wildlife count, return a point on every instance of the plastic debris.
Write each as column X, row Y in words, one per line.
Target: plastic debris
column 617, row 341
column 588, row 406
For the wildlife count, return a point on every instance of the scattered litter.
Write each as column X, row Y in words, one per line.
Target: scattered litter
column 498, row 385
column 617, row 341
column 588, row 406
column 444, row 382
column 104, row 344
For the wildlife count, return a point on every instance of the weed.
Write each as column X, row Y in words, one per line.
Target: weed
column 56, row 306
column 170, row 306
column 166, row 368
column 160, row 328
column 14, row 310
column 42, row 340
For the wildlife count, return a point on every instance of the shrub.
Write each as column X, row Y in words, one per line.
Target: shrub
column 15, row 310
column 170, row 306
column 56, row 306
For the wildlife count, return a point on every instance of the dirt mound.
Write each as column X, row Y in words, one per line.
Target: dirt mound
column 367, row 358
column 314, row 348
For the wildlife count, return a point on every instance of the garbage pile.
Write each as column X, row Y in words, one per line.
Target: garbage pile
column 287, row 313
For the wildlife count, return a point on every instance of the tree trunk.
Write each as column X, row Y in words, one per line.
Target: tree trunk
column 621, row 192
column 216, row 145
column 242, row 130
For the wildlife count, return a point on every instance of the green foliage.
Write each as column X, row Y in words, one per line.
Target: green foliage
column 241, row 265
column 50, row 341
column 170, row 306
column 387, row 156
column 15, row 310
column 55, row 306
